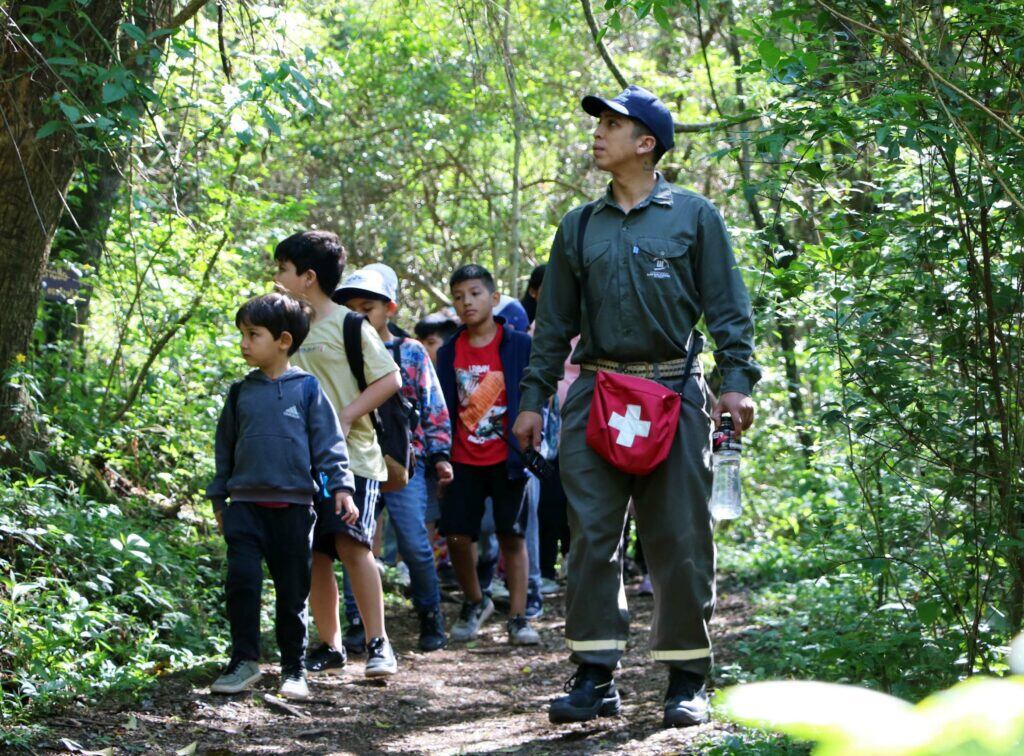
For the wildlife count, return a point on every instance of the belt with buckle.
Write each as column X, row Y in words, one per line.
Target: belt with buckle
column 655, row 371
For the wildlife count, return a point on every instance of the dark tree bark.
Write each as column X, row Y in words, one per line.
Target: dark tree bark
column 34, row 175
column 35, row 172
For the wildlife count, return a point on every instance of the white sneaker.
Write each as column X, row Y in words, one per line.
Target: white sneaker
column 403, row 578
column 293, row 685
column 548, row 586
column 499, row 590
column 380, row 658
column 520, row 633
column 238, row 676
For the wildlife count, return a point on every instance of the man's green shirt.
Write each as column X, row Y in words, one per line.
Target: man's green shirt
column 641, row 285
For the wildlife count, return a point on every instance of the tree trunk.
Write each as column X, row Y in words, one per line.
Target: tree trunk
column 34, row 177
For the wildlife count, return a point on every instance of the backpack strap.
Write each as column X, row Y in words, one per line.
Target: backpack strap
column 396, row 350
column 581, row 230
column 352, row 331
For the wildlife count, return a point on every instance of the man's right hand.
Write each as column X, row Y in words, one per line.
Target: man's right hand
column 220, row 522
column 527, row 429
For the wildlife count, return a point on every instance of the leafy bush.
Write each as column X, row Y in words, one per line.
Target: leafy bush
column 97, row 597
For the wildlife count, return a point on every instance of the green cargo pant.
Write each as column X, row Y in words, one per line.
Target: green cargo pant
column 674, row 526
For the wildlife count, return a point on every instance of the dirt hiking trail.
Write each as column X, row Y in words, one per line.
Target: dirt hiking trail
column 486, row 697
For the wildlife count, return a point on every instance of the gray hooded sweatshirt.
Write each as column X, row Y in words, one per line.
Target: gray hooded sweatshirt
column 274, row 440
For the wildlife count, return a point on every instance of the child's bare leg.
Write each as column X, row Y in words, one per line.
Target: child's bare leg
column 365, row 580
column 323, row 600
column 378, row 537
column 462, row 552
column 513, row 549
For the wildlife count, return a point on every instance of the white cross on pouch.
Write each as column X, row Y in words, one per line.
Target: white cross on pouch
column 629, row 425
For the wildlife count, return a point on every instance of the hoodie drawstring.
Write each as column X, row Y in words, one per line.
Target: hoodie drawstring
column 280, row 392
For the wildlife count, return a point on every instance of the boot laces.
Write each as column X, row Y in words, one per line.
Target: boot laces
column 580, row 676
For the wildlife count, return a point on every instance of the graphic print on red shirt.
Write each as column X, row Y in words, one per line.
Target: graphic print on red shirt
column 482, row 405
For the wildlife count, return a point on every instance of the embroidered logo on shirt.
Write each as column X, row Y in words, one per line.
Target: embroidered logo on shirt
column 292, row 412
column 661, row 269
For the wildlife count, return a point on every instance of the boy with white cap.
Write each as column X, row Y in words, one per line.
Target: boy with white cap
column 373, row 292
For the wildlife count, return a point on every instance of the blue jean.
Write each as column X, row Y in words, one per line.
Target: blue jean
column 406, row 510
column 533, row 533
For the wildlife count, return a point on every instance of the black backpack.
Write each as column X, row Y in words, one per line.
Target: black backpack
column 394, row 421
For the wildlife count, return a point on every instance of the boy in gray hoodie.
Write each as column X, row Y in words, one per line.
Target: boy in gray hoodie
column 276, row 435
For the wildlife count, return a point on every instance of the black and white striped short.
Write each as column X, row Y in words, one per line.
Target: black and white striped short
column 329, row 524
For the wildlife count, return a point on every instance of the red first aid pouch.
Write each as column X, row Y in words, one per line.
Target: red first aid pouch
column 633, row 421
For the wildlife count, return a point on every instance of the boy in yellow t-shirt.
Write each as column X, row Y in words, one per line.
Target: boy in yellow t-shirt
column 309, row 266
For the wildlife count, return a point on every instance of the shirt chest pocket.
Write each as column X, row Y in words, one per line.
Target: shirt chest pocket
column 663, row 263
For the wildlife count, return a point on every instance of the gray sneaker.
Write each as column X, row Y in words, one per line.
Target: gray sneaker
column 239, row 676
column 520, row 633
column 471, row 618
column 380, row 658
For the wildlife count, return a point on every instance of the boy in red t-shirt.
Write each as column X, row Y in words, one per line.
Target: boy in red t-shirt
column 480, row 368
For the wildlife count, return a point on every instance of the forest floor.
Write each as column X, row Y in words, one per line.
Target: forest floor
column 482, row 697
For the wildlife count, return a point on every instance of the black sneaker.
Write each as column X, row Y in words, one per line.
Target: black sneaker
column 592, row 694
column 324, row 658
column 432, row 635
column 686, row 702
column 354, row 639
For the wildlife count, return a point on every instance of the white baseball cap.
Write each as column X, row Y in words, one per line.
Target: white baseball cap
column 377, row 280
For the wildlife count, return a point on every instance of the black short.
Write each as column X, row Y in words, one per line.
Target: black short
column 329, row 524
column 462, row 506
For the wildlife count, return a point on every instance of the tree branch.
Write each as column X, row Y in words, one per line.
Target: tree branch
column 680, row 128
column 902, row 47
column 588, row 11
column 186, row 13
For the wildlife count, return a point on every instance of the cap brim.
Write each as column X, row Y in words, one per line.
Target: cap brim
column 595, row 106
column 345, row 293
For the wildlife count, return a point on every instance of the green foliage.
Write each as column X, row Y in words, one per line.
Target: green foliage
column 97, row 597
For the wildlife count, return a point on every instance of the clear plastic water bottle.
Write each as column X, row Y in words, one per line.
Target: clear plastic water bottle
column 725, row 492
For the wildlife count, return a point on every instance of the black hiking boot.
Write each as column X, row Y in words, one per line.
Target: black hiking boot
column 354, row 639
column 432, row 637
column 591, row 694
column 686, row 702
column 324, row 658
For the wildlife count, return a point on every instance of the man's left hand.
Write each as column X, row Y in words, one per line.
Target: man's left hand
column 739, row 406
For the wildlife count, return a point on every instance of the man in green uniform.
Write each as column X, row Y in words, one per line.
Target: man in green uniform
column 652, row 259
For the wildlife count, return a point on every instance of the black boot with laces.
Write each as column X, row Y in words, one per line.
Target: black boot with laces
column 591, row 693
column 686, row 702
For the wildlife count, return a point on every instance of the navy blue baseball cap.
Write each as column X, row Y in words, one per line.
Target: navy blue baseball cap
column 636, row 102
